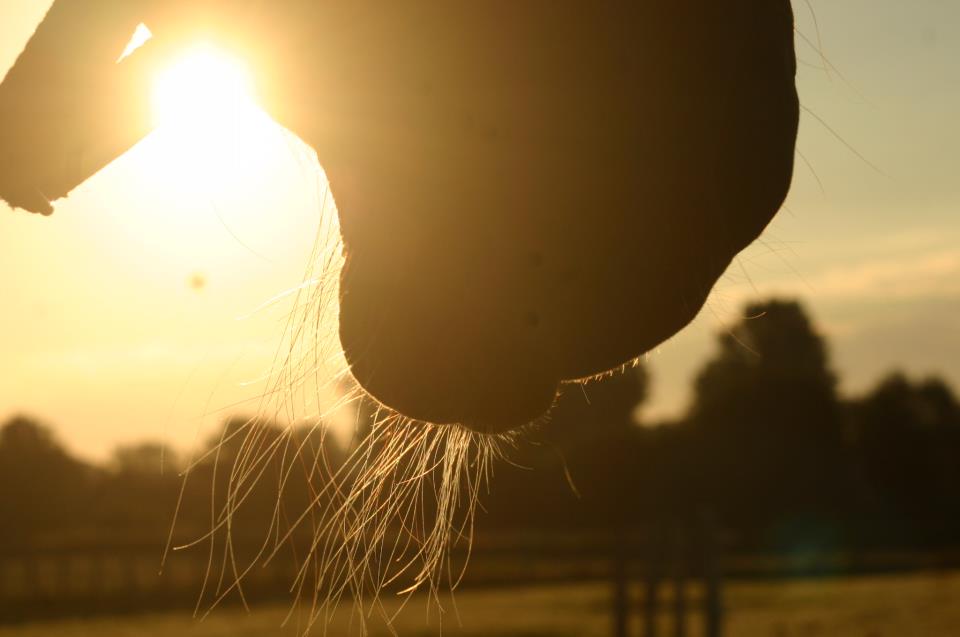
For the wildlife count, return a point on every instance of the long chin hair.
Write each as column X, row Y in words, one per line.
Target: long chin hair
column 393, row 512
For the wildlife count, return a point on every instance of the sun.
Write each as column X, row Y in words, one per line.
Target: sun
column 235, row 190
column 207, row 122
column 201, row 92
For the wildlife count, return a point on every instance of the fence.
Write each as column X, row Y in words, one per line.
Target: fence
column 85, row 579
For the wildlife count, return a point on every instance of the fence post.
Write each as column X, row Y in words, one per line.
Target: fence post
column 651, row 601
column 679, row 582
column 621, row 589
column 713, row 601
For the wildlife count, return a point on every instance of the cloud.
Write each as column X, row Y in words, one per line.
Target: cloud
column 901, row 277
column 914, row 277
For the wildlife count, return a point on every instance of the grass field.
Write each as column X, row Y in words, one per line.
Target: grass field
column 926, row 605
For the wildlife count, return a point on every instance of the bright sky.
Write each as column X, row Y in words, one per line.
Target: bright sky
column 127, row 313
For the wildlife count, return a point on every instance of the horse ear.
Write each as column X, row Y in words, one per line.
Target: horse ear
column 67, row 108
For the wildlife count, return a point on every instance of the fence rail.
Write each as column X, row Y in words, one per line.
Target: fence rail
column 678, row 569
column 124, row 576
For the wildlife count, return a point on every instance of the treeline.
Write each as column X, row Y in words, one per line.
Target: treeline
column 768, row 449
column 50, row 499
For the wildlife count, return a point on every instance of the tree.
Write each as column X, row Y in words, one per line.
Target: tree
column 908, row 437
column 767, row 423
column 41, row 487
column 145, row 459
column 775, row 347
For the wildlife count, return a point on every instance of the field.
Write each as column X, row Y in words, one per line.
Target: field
column 920, row 605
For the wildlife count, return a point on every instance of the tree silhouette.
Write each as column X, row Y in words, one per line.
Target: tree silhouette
column 767, row 422
column 908, row 435
column 43, row 487
column 146, row 458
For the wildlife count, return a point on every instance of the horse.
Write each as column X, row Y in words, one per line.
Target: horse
column 530, row 194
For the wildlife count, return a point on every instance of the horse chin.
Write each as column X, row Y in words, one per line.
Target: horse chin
column 425, row 373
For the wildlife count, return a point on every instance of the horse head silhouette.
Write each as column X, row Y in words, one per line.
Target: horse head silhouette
column 530, row 192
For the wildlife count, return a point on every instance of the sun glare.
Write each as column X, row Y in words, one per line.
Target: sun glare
column 202, row 92
column 208, row 123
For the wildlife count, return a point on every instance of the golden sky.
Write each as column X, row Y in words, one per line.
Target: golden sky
column 129, row 314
